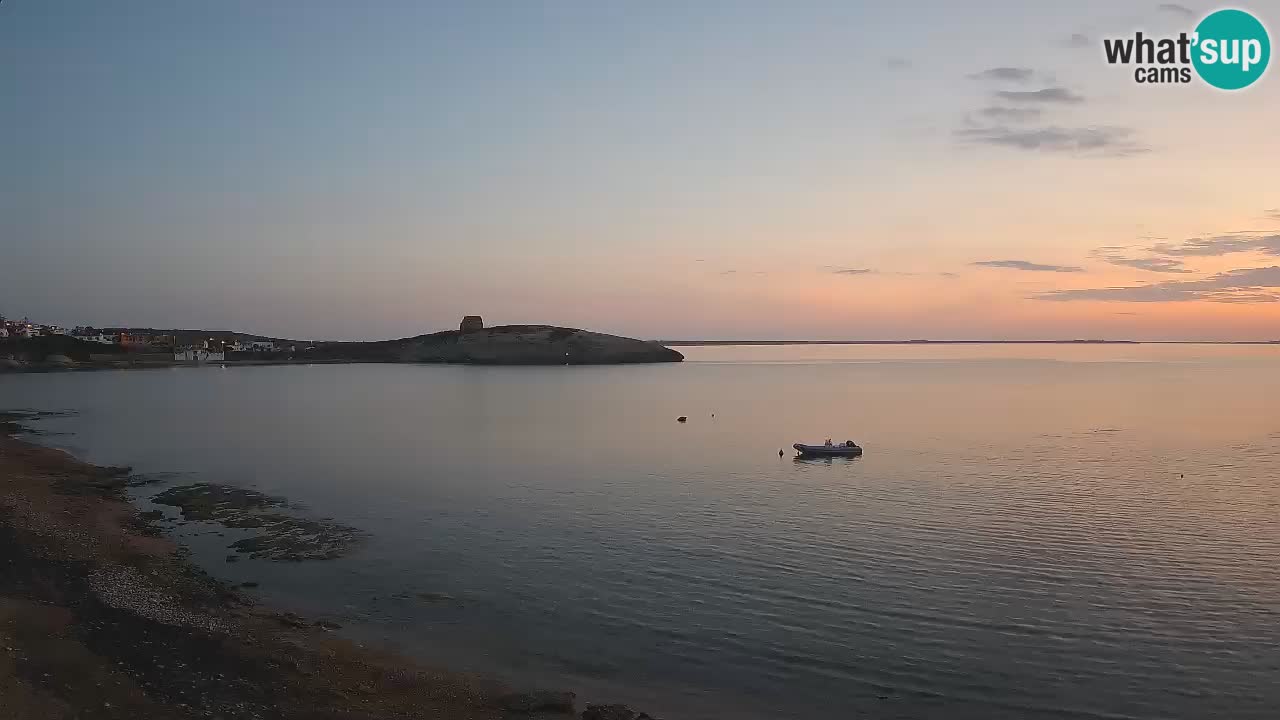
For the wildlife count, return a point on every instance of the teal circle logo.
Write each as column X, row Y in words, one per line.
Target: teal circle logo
column 1232, row 49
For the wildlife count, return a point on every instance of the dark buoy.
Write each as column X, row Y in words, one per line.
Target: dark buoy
column 682, row 418
column 779, row 453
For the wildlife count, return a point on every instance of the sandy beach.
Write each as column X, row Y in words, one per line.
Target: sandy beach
column 103, row 617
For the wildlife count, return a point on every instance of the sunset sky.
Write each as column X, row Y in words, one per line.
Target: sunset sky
column 671, row 170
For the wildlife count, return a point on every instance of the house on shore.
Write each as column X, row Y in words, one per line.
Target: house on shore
column 198, row 355
column 93, row 336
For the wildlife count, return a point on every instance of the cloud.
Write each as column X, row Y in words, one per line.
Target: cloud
column 1054, row 95
column 1246, row 285
column 1274, row 214
column 897, row 63
column 1009, row 114
column 1116, row 256
column 1176, row 9
column 1101, row 141
column 1219, row 245
column 1079, row 40
column 1005, row 74
column 851, row 271
column 1028, row 266
column 949, row 274
column 1160, row 265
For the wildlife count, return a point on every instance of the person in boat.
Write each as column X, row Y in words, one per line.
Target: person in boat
column 828, row 443
column 848, row 443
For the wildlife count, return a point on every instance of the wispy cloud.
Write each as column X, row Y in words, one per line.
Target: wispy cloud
column 1097, row 141
column 1246, row 285
column 1006, row 74
column 1008, row 114
column 1028, row 266
column 850, row 271
column 1052, row 95
column 1079, row 40
column 1016, row 121
column 1176, row 9
column 897, row 63
column 1274, row 214
column 1117, row 256
column 1219, row 245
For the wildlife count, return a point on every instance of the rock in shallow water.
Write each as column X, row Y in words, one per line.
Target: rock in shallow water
column 279, row 536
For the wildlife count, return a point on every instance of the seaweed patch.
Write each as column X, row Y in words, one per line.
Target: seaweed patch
column 278, row 536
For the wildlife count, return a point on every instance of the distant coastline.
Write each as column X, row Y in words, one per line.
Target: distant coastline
column 471, row 344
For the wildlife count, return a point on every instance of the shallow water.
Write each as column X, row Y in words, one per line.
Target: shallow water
column 1034, row 531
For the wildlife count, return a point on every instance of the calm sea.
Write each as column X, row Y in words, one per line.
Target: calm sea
column 1034, row 531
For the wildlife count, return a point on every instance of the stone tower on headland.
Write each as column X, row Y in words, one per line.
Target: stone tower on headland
column 471, row 323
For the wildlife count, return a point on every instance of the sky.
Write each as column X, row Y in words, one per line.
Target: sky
column 675, row 170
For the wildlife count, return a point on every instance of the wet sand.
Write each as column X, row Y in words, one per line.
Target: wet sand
column 101, row 616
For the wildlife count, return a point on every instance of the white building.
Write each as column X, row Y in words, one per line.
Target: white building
column 198, row 355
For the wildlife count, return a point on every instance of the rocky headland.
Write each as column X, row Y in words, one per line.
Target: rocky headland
column 505, row 345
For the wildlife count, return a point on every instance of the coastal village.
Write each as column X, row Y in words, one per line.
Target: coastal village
column 147, row 344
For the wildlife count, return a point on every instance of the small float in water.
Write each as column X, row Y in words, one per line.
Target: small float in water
column 847, row 448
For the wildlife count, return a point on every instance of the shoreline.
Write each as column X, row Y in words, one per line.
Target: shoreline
column 103, row 616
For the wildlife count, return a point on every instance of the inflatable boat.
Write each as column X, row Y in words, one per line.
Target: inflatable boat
column 844, row 449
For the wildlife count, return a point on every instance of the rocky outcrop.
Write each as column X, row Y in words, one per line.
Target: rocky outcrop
column 502, row 345
column 532, row 345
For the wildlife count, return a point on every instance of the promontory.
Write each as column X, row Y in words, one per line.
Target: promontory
column 504, row 345
column 472, row 343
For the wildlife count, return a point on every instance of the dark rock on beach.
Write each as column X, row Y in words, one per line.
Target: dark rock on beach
column 291, row 620
column 613, row 712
